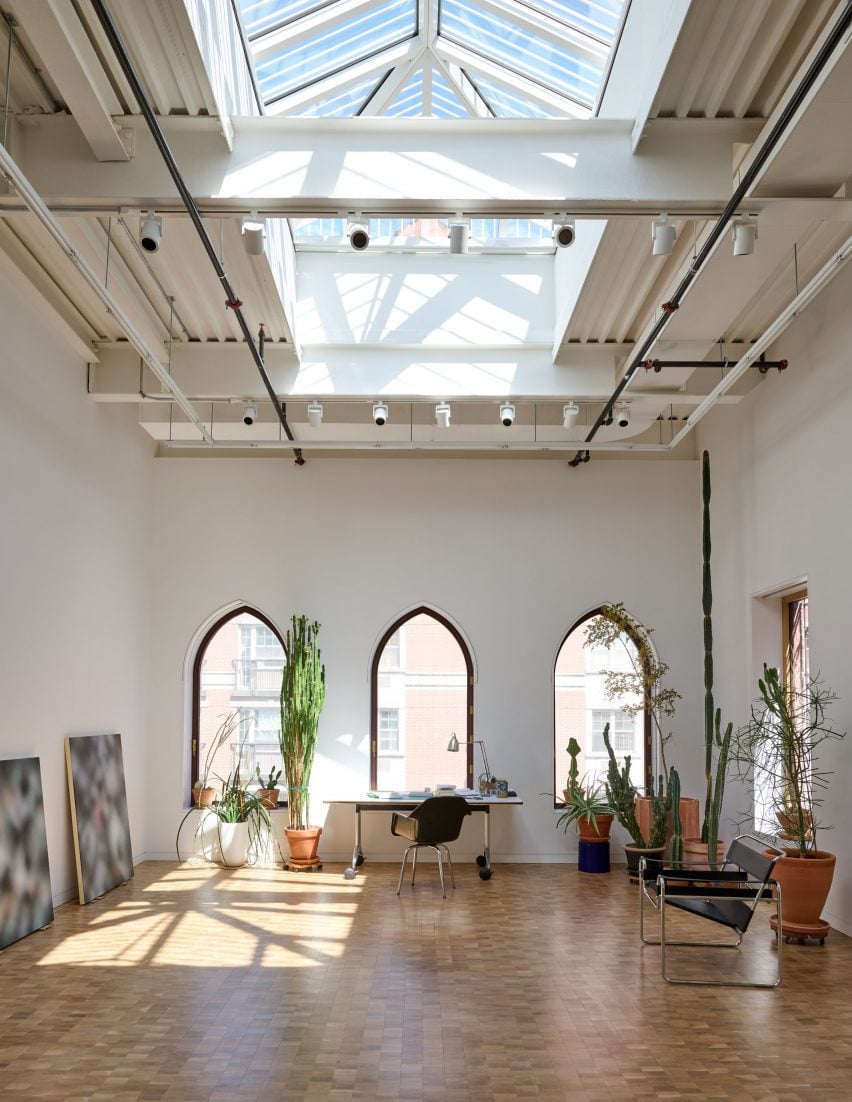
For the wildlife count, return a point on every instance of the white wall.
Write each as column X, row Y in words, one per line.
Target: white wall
column 781, row 466
column 73, row 562
column 512, row 551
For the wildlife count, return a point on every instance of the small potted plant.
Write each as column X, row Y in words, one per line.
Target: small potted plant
column 586, row 805
column 268, row 789
column 302, row 699
column 621, row 796
column 203, row 793
column 777, row 755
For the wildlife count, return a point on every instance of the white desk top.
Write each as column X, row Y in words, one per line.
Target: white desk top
column 384, row 801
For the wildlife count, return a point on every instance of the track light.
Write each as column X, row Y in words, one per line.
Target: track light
column 253, row 235
column 570, row 412
column 459, row 236
column 745, row 235
column 151, row 232
column 622, row 415
column 663, row 235
column 249, row 413
column 380, row 413
column 507, row 414
column 315, row 414
column 563, row 232
column 358, row 232
column 442, row 415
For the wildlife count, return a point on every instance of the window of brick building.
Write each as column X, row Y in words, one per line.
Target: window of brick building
column 422, row 693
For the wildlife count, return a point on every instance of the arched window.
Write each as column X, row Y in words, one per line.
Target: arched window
column 582, row 707
column 238, row 669
column 421, row 693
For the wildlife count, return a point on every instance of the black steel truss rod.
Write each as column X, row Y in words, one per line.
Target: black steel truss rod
column 232, row 302
column 832, row 41
column 761, row 365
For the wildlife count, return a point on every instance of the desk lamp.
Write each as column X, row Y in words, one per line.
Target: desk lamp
column 453, row 747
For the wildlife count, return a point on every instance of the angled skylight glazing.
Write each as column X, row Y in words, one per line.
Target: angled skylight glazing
column 426, row 234
column 473, row 58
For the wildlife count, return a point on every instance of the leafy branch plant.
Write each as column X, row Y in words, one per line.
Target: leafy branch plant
column 641, row 688
column 777, row 752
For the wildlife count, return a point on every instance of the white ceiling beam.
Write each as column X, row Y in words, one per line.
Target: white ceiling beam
column 329, row 165
column 384, row 94
column 353, row 74
column 545, row 97
column 67, row 52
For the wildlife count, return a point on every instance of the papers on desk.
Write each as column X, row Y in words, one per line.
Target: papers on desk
column 466, row 792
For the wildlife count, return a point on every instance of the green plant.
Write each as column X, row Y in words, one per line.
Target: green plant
column 582, row 799
column 777, row 754
column 716, row 742
column 302, row 699
column 676, row 843
column 641, row 688
column 621, row 796
column 271, row 781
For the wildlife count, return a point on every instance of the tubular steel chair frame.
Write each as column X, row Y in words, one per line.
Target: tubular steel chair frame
column 422, row 829
column 728, row 896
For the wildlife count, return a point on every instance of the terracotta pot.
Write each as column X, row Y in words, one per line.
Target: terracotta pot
column 268, row 797
column 805, row 884
column 303, row 844
column 689, row 817
column 597, row 831
column 204, row 797
column 695, row 853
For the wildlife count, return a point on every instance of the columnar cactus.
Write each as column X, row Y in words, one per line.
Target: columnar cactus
column 676, row 843
column 302, row 699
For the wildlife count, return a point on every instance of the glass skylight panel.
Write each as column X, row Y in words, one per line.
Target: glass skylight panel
column 552, row 64
column 445, row 102
column 599, row 18
column 509, row 105
column 428, row 233
column 344, row 104
column 331, row 50
column 262, row 15
column 408, row 102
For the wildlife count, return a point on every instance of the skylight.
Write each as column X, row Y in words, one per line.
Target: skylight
column 426, row 234
column 431, row 58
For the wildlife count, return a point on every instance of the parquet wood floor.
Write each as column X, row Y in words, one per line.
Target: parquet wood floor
column 196, row 984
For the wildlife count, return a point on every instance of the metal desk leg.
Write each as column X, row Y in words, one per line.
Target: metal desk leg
column 357, row 852
column 484, row 861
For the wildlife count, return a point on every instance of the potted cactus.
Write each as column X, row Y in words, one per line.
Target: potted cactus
column 268, row 790
column 586, row 805
column 302, row 699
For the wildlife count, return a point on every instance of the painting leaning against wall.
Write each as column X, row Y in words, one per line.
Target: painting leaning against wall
column 98, row 813
column 26, row 903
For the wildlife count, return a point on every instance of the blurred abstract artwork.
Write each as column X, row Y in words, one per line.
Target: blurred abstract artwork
column 98, row 813
column 26, row 903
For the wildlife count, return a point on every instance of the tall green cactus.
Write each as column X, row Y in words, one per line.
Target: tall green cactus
column 676, row 843
column 302, row 699
column 716, row 743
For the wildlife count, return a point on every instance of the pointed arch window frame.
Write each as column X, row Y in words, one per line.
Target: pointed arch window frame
column 374, row 687
column 198, row 659
column 647, row 732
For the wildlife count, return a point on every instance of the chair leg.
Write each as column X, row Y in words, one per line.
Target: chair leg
column 441, row 871
column 402, row 868
column 414, row 864
column 450, row 864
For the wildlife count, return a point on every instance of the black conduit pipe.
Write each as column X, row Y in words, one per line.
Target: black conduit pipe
column 192, row 210
column 819, row 62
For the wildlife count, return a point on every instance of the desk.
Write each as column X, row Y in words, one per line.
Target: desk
column 363, row 803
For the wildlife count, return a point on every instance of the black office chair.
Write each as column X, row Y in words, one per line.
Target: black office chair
column 728, row 896
column 433, row 823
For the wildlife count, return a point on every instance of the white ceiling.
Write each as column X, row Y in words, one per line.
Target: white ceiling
column 347, row 328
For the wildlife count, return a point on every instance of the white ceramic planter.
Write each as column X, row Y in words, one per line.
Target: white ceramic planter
column 232, row 844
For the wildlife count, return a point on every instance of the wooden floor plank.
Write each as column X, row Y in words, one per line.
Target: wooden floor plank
column 196, row 984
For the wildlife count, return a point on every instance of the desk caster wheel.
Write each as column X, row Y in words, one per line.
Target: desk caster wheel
column 481, row 861
column 359, row 860
column 349, row 874
column 484, row 874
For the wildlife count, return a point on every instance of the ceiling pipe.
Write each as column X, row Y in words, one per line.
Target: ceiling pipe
column 231, row 301
column 38, row 207
column 832, row 41
column 762, row 365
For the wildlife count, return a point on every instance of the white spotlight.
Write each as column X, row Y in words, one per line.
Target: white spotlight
column 745, row 235
column 507, row 414
column 570, row 412
column 622, row 415
column 563, row 233
column 663, row 236
column 442, row 415
column 358, row 232
column 249, row 413
column 459, row 235
column 151, row 232
column 315, row 414
column 380, row 413
column 253, row 229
